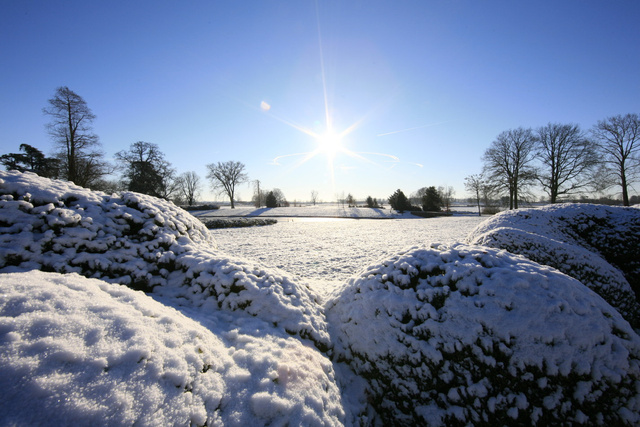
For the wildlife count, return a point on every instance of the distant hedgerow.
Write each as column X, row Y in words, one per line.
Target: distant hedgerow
column 238, row 222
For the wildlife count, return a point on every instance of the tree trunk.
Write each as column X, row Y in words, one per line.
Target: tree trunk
column 625, row 193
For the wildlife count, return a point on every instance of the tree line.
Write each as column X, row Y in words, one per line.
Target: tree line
column 143, row 168
column 561, row 159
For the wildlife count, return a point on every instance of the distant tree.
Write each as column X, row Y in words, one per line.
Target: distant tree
column 189, row 187
column 568, row 159
column 270, row 200
column 618, row 138
column 146, row 170
column 71, row 128
column 258, row 196
column 432, row 201
column 446, row 196
column 314, row 197
column 507, row 162
column 281, row 200
column 351, row 201
column 490, row 198
column 399, row 201
column 31, row 160
column 372, row 203
column 416, row 197
column 225, row 176
column 474, row 184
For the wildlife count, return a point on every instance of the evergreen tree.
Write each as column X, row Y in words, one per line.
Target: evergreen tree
column 31, row 160
column 399, row 201
column 271, row 200
column 431, row 200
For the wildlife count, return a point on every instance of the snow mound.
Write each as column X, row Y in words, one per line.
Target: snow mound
column 77, row 351
column 596, row 244
column 144, row 243
column 459, row 335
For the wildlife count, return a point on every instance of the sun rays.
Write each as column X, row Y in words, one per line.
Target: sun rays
column 329, row 143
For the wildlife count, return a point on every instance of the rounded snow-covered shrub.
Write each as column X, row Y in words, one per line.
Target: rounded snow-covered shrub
column 596, row 244
column 469, row 335
column 147, row 244
column 78, row 351
column 58, row 226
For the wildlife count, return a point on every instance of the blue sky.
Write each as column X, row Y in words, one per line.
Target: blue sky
column 423, row 86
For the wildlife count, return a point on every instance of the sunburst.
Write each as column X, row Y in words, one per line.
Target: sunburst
column 330, row 143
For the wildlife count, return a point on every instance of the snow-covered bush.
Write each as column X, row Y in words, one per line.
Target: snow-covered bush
column 470, row 335
column 596, row 244
column 78, row 351
column 238, row 222
column 144, row 243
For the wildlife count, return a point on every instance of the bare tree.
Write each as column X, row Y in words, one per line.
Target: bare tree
column 507, row 162
column 72, row 131
column 416, row 197
column 568, row 158
column 257, row 195
column 280, row 197
column 351, row 201
column 146, row 170
column 314, row 197
column 189, row 187
column 225, row 176
column 446, row 195
column 474, row 185
column 341, row 198
column 618, row 138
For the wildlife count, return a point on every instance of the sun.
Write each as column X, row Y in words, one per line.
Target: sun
column 330, row 143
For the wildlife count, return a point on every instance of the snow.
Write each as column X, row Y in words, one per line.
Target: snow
column 301, row 323
column 453, row 333
column 596, row 244
column 328, row 210
column 147, row 244
column 82, row 351
column 327, row 253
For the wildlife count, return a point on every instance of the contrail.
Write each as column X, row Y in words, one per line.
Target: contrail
column 276, row 160
column 413, row 128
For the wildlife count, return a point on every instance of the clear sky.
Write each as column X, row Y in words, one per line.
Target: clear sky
column 417, row 89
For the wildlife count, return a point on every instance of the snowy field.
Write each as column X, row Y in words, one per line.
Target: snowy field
column 321, row 210
column 126, row 310
column 326, row 252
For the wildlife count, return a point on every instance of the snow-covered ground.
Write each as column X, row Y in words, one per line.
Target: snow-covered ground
column 328, row 210
column 321, row 210
column 328, row 252
column 307, row 322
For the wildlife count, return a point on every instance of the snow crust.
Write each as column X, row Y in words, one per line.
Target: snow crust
column 78, row 351
column 598, row 245
column 469, row 334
